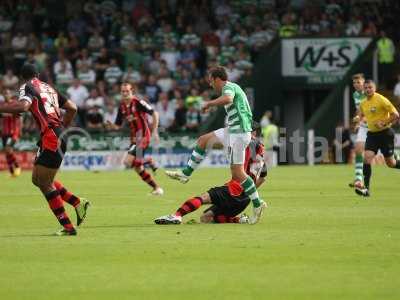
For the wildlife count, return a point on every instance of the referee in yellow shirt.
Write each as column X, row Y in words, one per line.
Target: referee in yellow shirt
column 380, row 114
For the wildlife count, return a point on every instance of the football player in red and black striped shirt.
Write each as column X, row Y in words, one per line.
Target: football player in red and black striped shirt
column 44, row 103
column 134, row 111
column 10, row 133
column 229, row 200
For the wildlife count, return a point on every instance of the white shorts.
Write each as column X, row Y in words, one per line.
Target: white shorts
column 235, row 144
column 361, row 134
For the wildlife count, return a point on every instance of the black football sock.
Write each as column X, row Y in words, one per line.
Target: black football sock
column 367, row 174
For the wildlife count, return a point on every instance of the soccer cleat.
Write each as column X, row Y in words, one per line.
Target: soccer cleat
column 17, row 172
column 177, row 175
column 65, row 232
column 244, row 219
column 351, row 185
column 258, row 212
column 81, row 211
column 157, row 192
column 362, row 191
column 167, row 220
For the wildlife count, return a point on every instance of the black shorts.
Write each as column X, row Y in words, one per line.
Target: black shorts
column 382, row 140
column 8, row 141
column 136, row 151
column 226, row 204
column 51, row 158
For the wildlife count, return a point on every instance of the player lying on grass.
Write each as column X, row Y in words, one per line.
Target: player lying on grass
column 229, row 200
column 10, row 132
column 235, row 137
column 380, row 115
column 44, row 103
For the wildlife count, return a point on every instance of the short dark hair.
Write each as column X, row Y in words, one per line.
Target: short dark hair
column 219, row 72
column 358, row 76
column 369, row 81
column 28, row 71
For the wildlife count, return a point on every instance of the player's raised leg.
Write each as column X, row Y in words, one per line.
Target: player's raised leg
column 43, row 178
column 205, row 142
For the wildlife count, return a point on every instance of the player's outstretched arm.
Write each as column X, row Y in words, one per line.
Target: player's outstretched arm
column 70, row 112
column 220, row 101
column 15, row 107
column 154, row 126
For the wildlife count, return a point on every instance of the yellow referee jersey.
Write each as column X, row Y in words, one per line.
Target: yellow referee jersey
column 375, row 109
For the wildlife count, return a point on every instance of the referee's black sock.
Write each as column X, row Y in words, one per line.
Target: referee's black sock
column 367, row 174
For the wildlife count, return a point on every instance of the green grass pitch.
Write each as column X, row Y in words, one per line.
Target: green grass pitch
column 318, row 240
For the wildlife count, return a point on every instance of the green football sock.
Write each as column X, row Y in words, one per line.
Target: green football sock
column 196, row 158
column 359, row 167
column 251, row 191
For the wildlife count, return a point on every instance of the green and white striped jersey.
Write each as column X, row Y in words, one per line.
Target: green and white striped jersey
column 239, row 111
column 358, row 97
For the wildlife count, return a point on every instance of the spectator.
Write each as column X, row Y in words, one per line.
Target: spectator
column 19, row 45
column 64, row 77
column 102, row 63
column 96, row 43
column 155, row 63
column 86, row 75
column 41, row 58
column 170, row 55
column 61, row 41
column 165, row 82
column 179, row 122
column 354, row 26
column 133, row 57
column 113, row 73
column 193, row 118
column 386, row 52
column 233, row 72
column 94, row 99
column 165, row 111
column 78, row 93
column 62, row 63
column 190, row 38
column 95, row 118
column 188, row 55
column 194, row 99
column 111, row 112
column 10, row 81
column 84, row 58
column 131, row 75
column 152, row 89
column 5, row 24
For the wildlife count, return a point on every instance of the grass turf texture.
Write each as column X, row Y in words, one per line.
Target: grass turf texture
column 318, row 240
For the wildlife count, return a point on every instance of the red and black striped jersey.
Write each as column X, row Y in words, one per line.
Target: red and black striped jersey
column 11, row 125
column 45, row 103
column 254, row 163
column 134, row 113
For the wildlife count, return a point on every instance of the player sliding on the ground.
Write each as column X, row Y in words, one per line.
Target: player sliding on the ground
column 44, row 103
column 358, row 96
column 11, row 128
column 380, row 114
column 235, row 137
column 229, row 200
column 133, row 111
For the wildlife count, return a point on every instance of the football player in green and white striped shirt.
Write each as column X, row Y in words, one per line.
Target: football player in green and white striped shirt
column 358, row 96
column 235, row 137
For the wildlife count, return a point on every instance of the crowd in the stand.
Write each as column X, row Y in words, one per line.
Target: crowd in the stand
column 87, row 48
